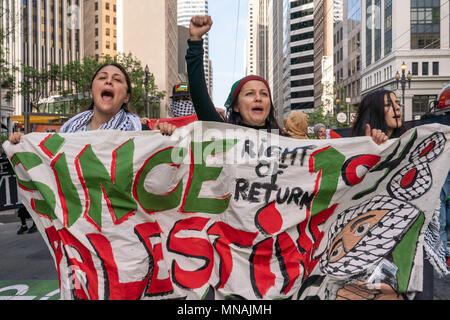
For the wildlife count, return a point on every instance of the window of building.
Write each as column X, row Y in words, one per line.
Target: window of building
column 303, row 105
column 369, row 33
column 303, row 59
column 96, row 45
column 96, row 19
column 387, row 27
column 425, row 24
column 377, row 32
column 107, row 5
column 108, row 45
column 435, row 68
column 424, row 68
column 107, row 31
column 415, row 68
column 421, row 103
column 107, row 19
column 300, row 83
column 96, row 6
column 297, row 72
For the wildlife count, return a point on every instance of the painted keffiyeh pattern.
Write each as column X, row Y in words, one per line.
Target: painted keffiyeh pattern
column 123, row 121
column 433, row 246
column 181, row 108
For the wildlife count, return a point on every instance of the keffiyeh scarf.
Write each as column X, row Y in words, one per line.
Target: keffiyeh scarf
column 123, row 121
column 181, row 108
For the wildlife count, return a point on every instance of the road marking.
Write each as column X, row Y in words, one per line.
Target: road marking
column 29, row 290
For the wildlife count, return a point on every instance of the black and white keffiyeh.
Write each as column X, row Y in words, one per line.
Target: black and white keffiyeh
column 123, row 121
column 181, row 108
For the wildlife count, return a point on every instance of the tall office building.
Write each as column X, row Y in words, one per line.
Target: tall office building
column 186, row 9
column 148, row 29
column 276, row 57
column 347, row 51
column 413, row 32
column 257, row 45
column 100, row 28
column 267, row 31
column 285, row 93
column 8, row 21
column 323, row 54
column 42, row 32
column 301, row 54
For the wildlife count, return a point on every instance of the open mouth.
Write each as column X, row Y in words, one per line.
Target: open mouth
column 107, row 95
column 257, row 109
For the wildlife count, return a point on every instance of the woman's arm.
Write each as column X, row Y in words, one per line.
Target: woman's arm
column 201, row 100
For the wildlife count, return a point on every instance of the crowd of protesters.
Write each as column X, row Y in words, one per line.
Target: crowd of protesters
column 249, row 104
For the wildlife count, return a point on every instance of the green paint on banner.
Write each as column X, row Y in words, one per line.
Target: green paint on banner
column 404, row 253
column 29, row 290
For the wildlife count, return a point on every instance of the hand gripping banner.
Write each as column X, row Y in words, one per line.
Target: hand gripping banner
column 223, row 212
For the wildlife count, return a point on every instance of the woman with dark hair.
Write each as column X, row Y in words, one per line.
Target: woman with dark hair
column 110, row 93
column 249, row 102
column 379, row 116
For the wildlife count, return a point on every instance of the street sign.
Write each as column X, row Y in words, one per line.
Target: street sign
column 341, row 117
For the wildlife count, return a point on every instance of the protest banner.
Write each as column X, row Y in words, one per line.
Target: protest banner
column 8, row 186
column 223, row 212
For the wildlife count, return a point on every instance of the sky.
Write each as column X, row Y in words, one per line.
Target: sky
column 222, row 45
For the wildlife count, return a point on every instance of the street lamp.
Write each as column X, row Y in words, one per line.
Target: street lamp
column 403, row 79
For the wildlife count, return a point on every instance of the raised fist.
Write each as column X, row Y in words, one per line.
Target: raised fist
column 199, row 26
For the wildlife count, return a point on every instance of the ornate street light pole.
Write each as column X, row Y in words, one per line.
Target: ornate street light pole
column 403, row 80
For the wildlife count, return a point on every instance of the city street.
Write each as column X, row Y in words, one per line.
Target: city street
column 27, row 270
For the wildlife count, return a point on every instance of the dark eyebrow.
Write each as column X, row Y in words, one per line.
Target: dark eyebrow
column 359, row 220
column 335, row 245
column 106, row 73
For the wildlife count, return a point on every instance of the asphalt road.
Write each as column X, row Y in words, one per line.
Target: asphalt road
column 27, row 270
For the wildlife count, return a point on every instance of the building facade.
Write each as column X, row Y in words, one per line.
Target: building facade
column 347, row 51
column 149, row 30
column 276, row 58
column 323, row 55
column 100, row 28
column 186, row 9
column 41, row 32
column 412, row 32
column 301, row 55
column 257, row 46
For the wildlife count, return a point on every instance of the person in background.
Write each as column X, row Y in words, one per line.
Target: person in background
column 296, row 125
column 181, row 104
column 320, row 131
column 23, row 215
column 379, row 116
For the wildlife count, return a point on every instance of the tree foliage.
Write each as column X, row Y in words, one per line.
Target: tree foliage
column 73, row 82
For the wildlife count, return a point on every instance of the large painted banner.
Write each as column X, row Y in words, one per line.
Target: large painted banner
column 222, row 212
